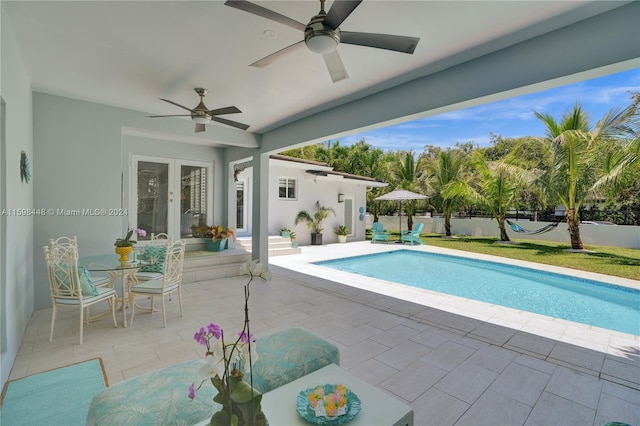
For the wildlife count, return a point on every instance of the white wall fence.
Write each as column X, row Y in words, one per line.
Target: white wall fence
column 605, row 235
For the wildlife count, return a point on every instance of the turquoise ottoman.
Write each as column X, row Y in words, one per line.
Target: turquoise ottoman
column 161, row 397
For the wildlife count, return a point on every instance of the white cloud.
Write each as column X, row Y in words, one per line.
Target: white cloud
column 510, row 117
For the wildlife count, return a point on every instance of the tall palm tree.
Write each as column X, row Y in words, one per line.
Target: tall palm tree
column 406, row 174
column 444, row 172
column 580, row 165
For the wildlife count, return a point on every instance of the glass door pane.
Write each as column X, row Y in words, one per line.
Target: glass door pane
column 241, row 225
column 193, row 199
column 348, row 214
column 153, row 197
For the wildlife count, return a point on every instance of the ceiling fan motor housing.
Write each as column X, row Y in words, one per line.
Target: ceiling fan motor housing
column 319, row 37
column 200, row 113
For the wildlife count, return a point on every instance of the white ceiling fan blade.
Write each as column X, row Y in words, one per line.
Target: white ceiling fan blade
column 335, row 66
column 277, row 55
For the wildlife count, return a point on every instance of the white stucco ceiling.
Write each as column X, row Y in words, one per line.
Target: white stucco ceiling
column 131, row 53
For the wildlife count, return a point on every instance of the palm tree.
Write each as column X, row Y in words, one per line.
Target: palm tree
column 446, row 170
column 580, row 165
column 496, row 187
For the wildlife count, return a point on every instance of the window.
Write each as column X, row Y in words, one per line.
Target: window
column 287, row 188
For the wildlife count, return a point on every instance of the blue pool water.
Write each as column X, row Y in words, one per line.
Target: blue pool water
column 574, row 299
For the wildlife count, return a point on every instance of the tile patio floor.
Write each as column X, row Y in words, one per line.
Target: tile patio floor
column 454, row 361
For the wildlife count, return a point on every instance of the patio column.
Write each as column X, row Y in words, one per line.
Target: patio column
column 260, row 210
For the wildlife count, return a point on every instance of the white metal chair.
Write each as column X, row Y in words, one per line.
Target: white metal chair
column 72, row 286
column 158, row 241
column 170, row 282
column 98, row 280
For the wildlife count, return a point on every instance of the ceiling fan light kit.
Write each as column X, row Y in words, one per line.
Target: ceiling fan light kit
column 200, row 119
column 322, row 35
column 320, row 38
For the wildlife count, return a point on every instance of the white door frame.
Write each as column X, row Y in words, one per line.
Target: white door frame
column 246, row 217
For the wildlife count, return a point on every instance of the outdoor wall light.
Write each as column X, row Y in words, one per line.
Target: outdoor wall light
column 341, row 198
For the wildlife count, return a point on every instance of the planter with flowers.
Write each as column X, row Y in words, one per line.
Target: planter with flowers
column 215, row 237
column 124, row 246
column 227, row 363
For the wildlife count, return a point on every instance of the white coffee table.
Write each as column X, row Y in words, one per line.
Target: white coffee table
column 378, row 408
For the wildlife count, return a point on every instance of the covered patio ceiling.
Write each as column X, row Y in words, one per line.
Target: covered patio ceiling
column 129, row 54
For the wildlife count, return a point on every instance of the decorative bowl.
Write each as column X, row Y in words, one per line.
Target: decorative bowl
column 343, row 405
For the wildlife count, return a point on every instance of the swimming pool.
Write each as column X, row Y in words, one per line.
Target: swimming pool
column 574, row 299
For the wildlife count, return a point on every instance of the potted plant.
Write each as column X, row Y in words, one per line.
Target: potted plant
column 217, row 237
column 342, row 231
column 124, row 246
column 285, row 232
column 294, row 242
column 314, row 222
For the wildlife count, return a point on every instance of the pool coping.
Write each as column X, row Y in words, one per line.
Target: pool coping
column 589, row 337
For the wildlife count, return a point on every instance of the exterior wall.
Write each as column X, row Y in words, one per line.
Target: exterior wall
column 16, row 253
column 81, row 157
column 282, row 213
column 605, row 235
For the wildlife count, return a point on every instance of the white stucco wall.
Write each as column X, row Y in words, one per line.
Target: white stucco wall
column 16, row 274
column 282, row 213
column 81, row 152
column 605, row 235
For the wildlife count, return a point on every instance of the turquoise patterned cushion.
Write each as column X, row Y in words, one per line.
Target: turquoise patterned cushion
column 288, row 355
column 86, row 284
column 157, row 252
column 161, row 397
column 157, row 398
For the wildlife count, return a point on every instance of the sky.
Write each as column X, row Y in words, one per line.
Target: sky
column 512, row 117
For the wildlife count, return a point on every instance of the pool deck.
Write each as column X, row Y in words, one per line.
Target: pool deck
column 455, row 361
column 589, row 337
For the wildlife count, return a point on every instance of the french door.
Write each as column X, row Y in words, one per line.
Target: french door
column 170, row 196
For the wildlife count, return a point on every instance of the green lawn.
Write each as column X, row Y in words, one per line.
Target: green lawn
column 620, row 262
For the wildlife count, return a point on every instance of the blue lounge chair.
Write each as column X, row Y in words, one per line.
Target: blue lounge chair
column 379, row 233
column 413, row 236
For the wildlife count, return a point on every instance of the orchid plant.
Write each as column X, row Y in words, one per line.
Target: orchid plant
column 127, row 241
column 225, row 363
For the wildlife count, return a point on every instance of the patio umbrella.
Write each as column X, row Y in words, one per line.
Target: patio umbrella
column 401, row 195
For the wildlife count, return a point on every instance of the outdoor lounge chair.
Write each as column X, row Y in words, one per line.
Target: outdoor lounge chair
column 379, row 233
column 413, row 236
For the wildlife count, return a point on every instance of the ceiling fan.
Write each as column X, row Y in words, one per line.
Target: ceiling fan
column 322, row 35
column 201, row 115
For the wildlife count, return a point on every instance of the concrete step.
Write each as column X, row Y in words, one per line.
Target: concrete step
column 278, row 246
column 202, row 265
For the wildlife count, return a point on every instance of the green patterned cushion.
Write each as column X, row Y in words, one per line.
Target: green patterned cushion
column 86, row 284
column 157, row 252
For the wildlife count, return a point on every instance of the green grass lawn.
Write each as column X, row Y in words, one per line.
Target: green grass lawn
column 616, row 261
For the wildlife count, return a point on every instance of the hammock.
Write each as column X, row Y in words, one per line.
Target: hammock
column 518, row 228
